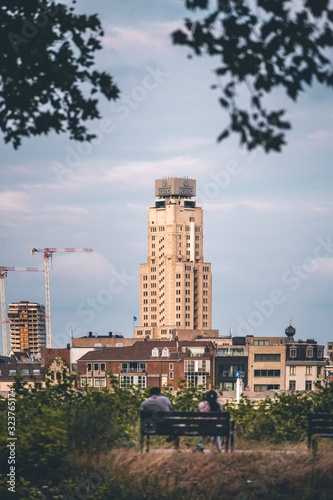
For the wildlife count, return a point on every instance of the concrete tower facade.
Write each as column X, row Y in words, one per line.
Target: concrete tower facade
column 175, row 283
column 27, row 327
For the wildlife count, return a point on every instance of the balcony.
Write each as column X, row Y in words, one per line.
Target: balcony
column 132, row 370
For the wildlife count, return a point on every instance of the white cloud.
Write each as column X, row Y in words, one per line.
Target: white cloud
column 15, row 202
column 321, row 135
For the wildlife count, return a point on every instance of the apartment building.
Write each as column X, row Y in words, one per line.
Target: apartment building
column 32, row 374
column 266, row 363
column 231, row 360
column 27, row 327
column 149, row 363
column 328, row 374
column 176, row 282
column 305, row 365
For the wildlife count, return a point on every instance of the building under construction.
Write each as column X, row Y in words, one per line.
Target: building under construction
column 27, row 327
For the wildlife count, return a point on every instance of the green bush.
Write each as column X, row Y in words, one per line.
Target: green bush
column 58, row 425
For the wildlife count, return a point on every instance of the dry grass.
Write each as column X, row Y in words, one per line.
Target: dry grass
column 288, row 473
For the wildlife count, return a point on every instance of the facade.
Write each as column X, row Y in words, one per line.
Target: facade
column 329, row 364
column 232, row 359
column 27, row 327
column 55, row 362
column 149, row 363
column 176, row 282
column 32, row 373
column 266, row 363
column 94, row 340
column 270, row 363
column 305, row 365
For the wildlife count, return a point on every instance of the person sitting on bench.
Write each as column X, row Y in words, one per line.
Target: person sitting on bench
column 157, row 402
column 210, row 403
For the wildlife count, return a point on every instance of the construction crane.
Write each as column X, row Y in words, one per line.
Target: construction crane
column 47, row 256
column 3, row 274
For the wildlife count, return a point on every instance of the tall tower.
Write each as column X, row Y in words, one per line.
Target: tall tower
column 27, row 327
column 176, row 283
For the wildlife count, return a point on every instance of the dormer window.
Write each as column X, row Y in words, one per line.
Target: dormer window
column 154, row 352
column 293, row 352
column 165, row 352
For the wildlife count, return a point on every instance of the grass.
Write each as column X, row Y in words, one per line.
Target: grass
column 265, row 473
column 249, row 473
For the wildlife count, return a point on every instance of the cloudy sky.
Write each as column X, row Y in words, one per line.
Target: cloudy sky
column 268, row 228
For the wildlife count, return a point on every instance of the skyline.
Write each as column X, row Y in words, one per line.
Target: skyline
column 267, row 218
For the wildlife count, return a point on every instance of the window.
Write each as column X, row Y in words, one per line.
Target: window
column 102, row 367
column 154, row 352
column 195, row 380
column 171, row 375
column 292, row 385
column 165, row 352
column 309, row 352
column 12, row 372
column 88, row 367
column 292, row 370
column 261, row 342
column 230, row 370
column 267, row 373
column 267, row 357
column 170, row 366
column 96, row 367
column 129, row 380
column 308, row 385
column 293, row 352
column 24, row 372
column 308, row 370
column 319, row 353
column 36, row 372
column 266, row 387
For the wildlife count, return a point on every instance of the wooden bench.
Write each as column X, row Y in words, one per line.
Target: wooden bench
column 186, row 423
column 320, row 424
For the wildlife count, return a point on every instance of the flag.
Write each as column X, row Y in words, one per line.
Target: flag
column 135, row 318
